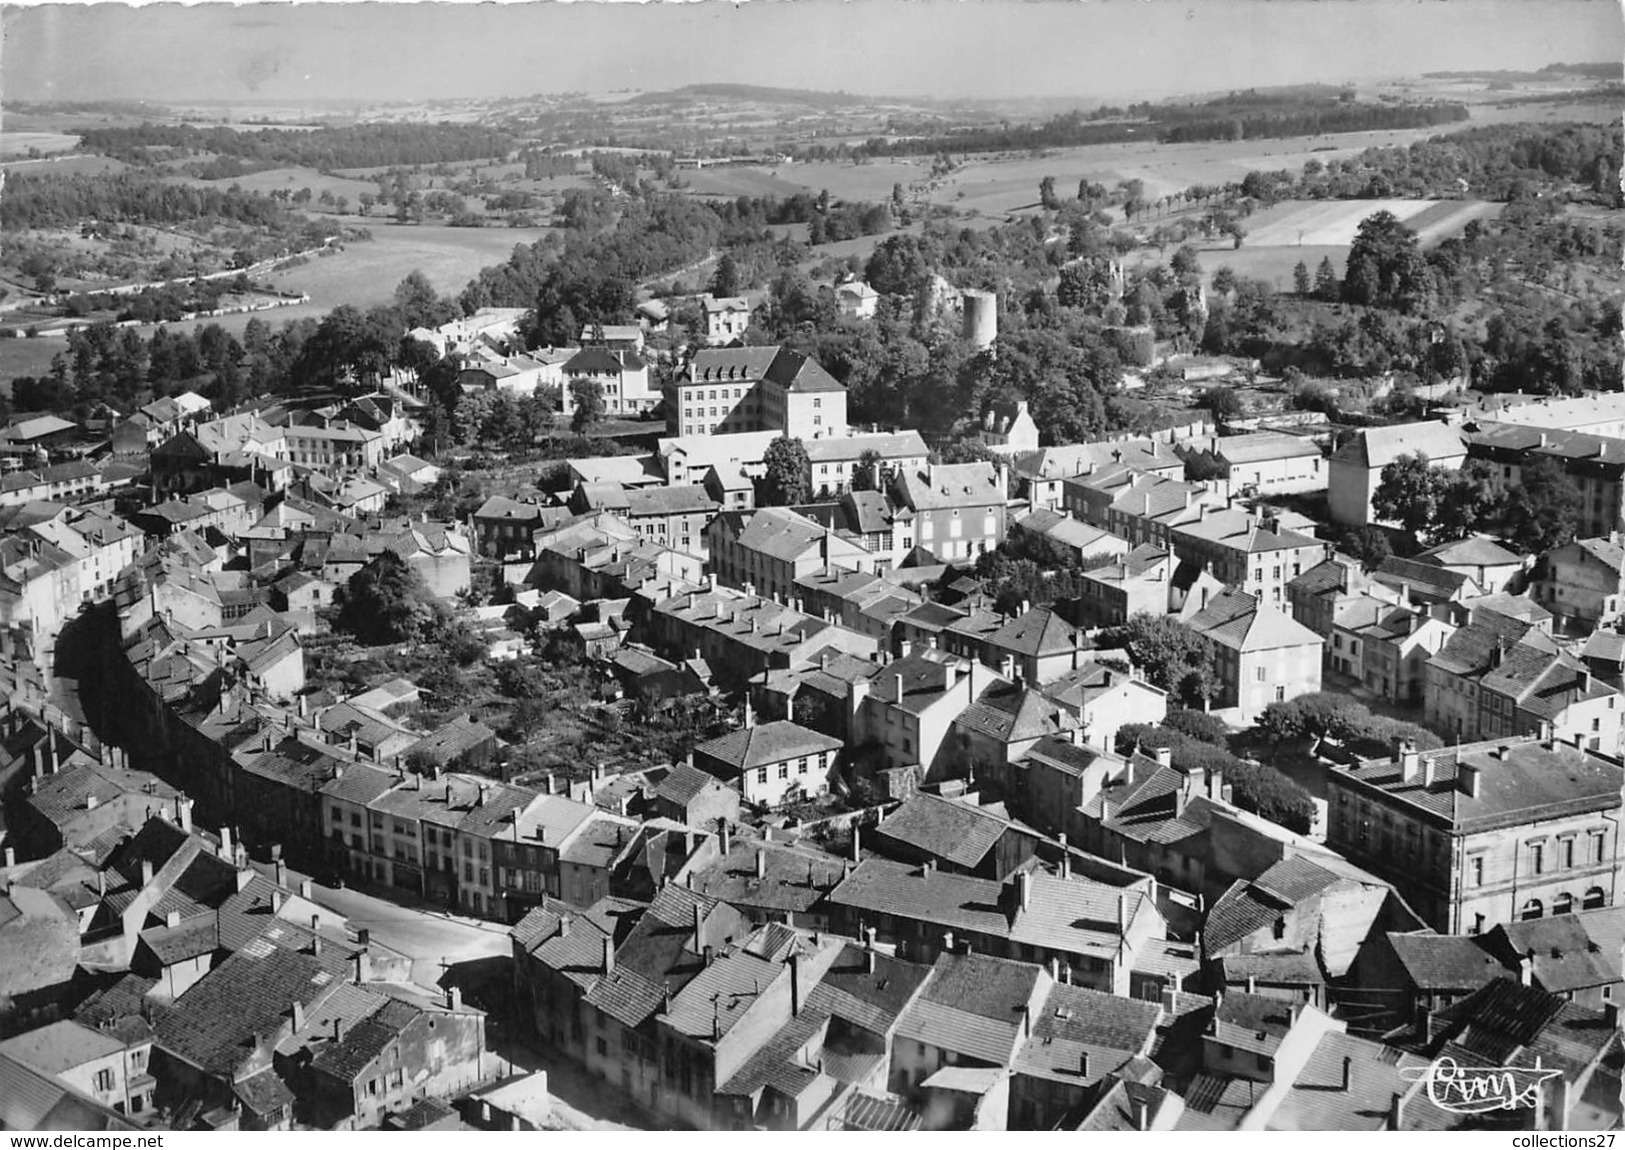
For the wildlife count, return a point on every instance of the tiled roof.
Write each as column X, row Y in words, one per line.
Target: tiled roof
column 1321, row 1100
column 720, row 994
column 952, row 485
column 1272, row 968
column 957, row 832
column 1532, row 781
column 766, row 743
column 1506, row 1024
column 799, row 373
column 1444, row 962
column 972, row 1004
column 683, row 783
column 1241, row 622
column 1474, row 551
column 1254, row 1023
column 1376, row 447
column 1563, row 953
column 1011, row 713
column 792, row 880
column 362, row 1043
column 1039, row 632
column 1080, row 1035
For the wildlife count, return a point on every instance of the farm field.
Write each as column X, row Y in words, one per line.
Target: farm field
column 65, row 165
column 363, row 274
column 1001, row 185
column 291, row 179
column 1326, row 227
column 14, row 144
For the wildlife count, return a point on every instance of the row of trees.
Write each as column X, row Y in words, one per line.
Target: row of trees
column 1437, row 504
column 1326, row 715
column 49, row 201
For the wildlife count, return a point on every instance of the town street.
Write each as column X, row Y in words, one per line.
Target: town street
column 428, row 938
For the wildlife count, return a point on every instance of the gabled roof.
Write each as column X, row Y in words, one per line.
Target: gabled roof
column 1241, row 622
column 958, row 832
column 1474, row 551
column 1011, row 712
column 766, row 743
column 1445, row 962
column 1376, row 447
column 972, row 1005
column 1569, row 952
column 950, row 485
column 799, row 373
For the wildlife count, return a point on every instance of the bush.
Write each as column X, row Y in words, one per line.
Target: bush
column 1199, row 725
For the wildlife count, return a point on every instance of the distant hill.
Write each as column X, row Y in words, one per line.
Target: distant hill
column 755, row 94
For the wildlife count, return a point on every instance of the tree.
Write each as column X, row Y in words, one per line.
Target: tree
column 1368, row 544
column 1198, row 725
column 1543, row 509
column 788, row 473
column 1326, row 285
column 418, row 304
column 1224, row 404
column 1300, row 279
column 1467, row 502
column 1170, row 654
column 385, row 602
column 587, row 397
column 866, row 475
column 1185, row 262
column 1046, row 194
column 725, row 280
column 1408, row 494
column 501, row 423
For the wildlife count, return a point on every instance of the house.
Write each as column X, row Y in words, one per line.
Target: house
column 1105, row 698
column 673, row 517
column 1455, row 674
column 726, row 319
column 1000, row 725
column 1312, row 910
column 857, row 300
column 771, row 762
column 1265, row 463
column 959, row 509
column 768, row 550
column 623, row 376
column 1140, row 582
column 834, row 458
column 1385, row 646
column 1135, row 506
column 1481, row 559
column 957, row 835
column 1255, row 554
column 1079, row 1039
column 1039, row 474
column 724, row 391
column 1009, row 428
column 83, row 801
column 908, row 707
column 1576, row 955
column 615, row 336
column 1483, row 833
column 1407, row 976
column 1264, row 656
column 1583, row 582
column 695, row 798
column 1355, row 469
column 1596, row 465
column 1089, row 546
column 1425, row 583
column 653, row 315
column 39, row 956
column 769, row 882
column 1316, row 594
column 1094, row 932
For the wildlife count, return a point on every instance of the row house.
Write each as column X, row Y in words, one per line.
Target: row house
column 725, row 391
column 675, row 517
column 834, row 458
column 772, row 763
column 1483, row 833
column 959, row 509
column 908, row 706
column 506, row 528
column 1040, row 474
column 103, row 545
column 1036, row 646
column 1138, row 583
column 1097, row 933
column 1316, row 594
column 1385, row 646
column 859, row 601
column 1489, row 565
column 1087, row 546
column 769, row 549
column 1103, row 699
column 1255, row 554
column 1455, row 673
column 742, row 635
column 867, row 519
column 72, row 482
column 334, row 446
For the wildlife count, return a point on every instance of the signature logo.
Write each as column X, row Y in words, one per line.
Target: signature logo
column 1479, row 1089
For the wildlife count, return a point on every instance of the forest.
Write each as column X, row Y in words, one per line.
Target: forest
column 325, row 149
column 128, row 197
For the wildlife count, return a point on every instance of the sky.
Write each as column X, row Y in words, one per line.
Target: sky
column 1102, row 49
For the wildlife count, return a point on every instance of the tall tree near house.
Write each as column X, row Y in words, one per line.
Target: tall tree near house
column 1544, row 509
column 1046, row 193
column 788, row 473
column 866, row 475
column 1408, row 494
column 587, row 396
column 725, row 280
column 1467, row 502
column 1171, row 655
column 385, row 602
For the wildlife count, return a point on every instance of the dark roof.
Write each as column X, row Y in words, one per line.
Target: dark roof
column 957, row 832
column 796, row 372
column 683, row 783
column 792, row 880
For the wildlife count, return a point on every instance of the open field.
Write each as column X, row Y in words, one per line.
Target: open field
column 362, row 274
column 65, row 165
column 872, row 181
column 290, row 179
column 1326, row 227
column 14, row 144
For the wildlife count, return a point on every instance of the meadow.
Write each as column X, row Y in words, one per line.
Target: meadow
column 14, row 144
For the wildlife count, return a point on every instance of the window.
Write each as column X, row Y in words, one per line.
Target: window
column 1563, row 904
column 1532, row 909
column 1595, row 899
column 761, row 774
column 1537, row 859
column 1280, row 694
column 1478, row 924
column 784, row 770
column 1565, row 852
column 1475, row 868
column 104, row 1080
column 1597, row 846
column 801, row 765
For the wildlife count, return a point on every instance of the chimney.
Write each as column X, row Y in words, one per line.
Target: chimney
column 609, row 956
column 1252, row 985
column 795, row 984
column 857, row 834
column 1142, row 1114
column 1396, row 1113
column 146, row 873
column 1122, row 913
column 90, row 802
column 361, row 971
column 1410, row 760
column 1066, row 856
column 947, row 942
column 761, row 865
column 281, row 873
column 1024, row 889
column 1026, row 1021
column 454, row 998
column 305, row 888
column 225, row 843
column 695, row 941
column 172, row 919
column 298, row 1015
column 1348, row 1072
column 724, row 833
column 1467, row 778
column 1526, row 968
column 1164, row 756
column 869, row 959
column 11, row 857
